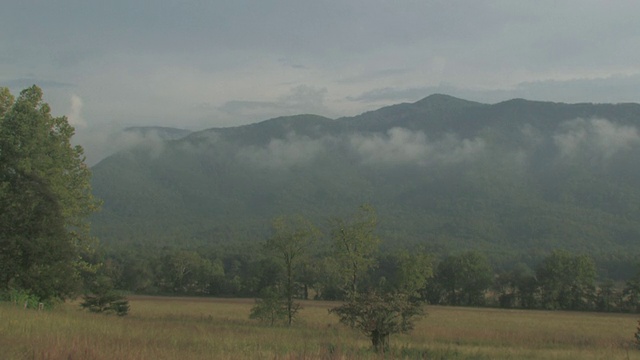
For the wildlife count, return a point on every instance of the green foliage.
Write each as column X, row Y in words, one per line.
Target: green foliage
column 355, row 245
column 517, row 287
column 566, row 281
column 414, row 270
column 378, row 316
column 462, row 280
column 272, row 308
column 103, row 299
column 404, row 271
column 23, row 299
column 290, row 242
column 608, row 297
column 45, row 195
column 187, row 272
column 631, row 294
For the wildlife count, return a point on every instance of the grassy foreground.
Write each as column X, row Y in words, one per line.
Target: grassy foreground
column 193, row 328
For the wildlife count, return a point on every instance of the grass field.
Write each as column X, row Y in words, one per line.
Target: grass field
column 198, row 328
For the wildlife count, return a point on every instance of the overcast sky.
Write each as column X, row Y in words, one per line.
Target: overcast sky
column 202, row 64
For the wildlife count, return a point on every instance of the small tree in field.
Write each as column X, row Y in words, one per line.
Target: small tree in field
column 637, row 335
column 378, row 316
column 272, row 308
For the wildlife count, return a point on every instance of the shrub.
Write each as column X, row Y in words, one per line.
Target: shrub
column 271, row 307
column 103, row 299
column 379, row 316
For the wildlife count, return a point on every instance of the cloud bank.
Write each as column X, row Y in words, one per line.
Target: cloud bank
column 597, row 138
column 402, row 146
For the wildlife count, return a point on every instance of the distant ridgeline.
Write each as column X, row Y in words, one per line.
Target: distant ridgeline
column 513, row 180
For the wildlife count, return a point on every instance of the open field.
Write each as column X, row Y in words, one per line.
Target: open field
column 198, row 328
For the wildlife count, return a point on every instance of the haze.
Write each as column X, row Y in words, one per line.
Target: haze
column 197, row 64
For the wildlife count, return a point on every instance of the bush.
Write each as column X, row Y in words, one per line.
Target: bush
column 103, row 299
column 25, row 299
column 270, row 308
column 379, row 316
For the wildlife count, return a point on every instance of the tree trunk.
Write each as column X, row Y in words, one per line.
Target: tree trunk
column 379, row 341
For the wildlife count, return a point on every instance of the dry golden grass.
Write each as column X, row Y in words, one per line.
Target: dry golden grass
column 196, row 328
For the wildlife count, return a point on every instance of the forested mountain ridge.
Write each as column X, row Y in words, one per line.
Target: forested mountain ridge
column 516, row 178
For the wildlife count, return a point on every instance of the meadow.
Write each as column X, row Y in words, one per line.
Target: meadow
column 205, row 328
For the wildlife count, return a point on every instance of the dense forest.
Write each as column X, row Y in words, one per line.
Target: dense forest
column 562, row 280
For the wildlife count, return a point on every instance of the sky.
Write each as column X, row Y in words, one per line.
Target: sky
column 200, row 64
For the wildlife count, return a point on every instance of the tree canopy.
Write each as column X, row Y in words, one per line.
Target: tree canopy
column 45, row 197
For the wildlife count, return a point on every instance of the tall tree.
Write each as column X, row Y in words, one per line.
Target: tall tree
column 464, row 278
column 45, row 197
column 355, row 245
column 290, row 242
column 631, row 294
column 567, row 281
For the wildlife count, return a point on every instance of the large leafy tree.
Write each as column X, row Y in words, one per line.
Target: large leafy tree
column 355, row 245
column 290, row 242
column 464, row 278
column 566, row 281
column 45, row 197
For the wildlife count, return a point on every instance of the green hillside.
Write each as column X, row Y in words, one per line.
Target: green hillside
column 514, row 179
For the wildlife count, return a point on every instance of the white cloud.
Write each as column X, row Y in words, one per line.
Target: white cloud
column 402, row 146
column 596, row 138
column 75, row 112
column 279, row 153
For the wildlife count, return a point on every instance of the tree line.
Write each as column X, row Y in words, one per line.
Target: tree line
column 561, row 281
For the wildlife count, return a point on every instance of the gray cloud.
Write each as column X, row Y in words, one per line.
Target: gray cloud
column 132, row 63
column 300, row 99
column 23, row 83
column 615, row 89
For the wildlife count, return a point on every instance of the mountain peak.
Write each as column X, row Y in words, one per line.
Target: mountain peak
column 443, row 100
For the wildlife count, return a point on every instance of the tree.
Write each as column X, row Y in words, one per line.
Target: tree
column 378, row 316
column 404, row 271
column 516, row 287
column 567, row 281
column 45, row 197
column 184, row 271
column 355, row 245
column 464, row 278
column 290, row 241
column 270, row 308
column 608, row 298
column 631, row 294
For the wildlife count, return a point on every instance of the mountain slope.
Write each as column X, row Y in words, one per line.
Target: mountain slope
column 517, row 177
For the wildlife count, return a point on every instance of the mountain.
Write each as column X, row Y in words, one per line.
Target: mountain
column 514, row 179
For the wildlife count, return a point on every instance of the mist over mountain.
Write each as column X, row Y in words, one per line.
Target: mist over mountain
column 517, row 178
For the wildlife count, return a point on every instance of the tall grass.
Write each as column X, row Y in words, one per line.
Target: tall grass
column 192, row 328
